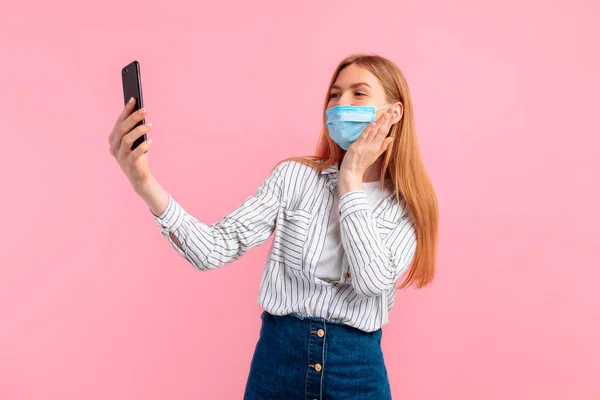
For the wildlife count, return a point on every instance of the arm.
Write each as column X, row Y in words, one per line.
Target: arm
column 375, row 264
column 209, row 247
column 157, row 200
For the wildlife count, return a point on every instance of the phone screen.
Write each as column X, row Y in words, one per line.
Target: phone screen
column 132, row 87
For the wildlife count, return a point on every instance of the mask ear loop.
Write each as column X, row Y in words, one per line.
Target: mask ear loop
column 377, row 109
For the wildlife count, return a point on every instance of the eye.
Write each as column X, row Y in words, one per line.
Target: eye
column 360, row 94
column 333, row 96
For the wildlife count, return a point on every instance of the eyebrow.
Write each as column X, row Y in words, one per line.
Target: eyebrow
column 353, row 85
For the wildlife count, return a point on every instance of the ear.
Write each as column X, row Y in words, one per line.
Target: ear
column 398, row 110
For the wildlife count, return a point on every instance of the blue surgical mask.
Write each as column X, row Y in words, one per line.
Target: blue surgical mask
column 346, row 123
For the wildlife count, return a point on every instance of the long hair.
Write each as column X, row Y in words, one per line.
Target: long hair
column 402, row 163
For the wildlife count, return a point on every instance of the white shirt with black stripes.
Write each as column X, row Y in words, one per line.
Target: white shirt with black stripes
column 304, row 273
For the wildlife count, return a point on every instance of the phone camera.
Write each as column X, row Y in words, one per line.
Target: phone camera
column 125, row 70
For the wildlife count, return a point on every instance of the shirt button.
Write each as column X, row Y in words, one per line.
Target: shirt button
column 318, row 367
column 346, row 275
column 320, row 333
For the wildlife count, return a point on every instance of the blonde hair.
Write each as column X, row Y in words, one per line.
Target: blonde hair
column 402, row 164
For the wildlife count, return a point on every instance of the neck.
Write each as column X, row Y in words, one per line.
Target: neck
column 372, row 173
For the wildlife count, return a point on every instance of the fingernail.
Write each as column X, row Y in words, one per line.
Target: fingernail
column 149, row 141
column 148, row 124
column 142, row 110
column 130, row 100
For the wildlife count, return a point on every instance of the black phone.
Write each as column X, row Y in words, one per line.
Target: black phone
column 132, row 87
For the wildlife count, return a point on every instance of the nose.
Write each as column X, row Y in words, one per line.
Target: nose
column 345, row 100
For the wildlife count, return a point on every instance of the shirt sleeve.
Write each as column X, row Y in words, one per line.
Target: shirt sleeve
column 375, row 263
column 209, row 247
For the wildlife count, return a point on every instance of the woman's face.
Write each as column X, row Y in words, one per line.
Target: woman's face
column 355, row 86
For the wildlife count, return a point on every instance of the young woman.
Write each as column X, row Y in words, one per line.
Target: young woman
column 347, row 222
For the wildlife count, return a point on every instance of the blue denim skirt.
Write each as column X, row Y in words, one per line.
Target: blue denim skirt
column 312, row 358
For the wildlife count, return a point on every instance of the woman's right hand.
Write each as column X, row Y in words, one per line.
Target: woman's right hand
column 133, row 163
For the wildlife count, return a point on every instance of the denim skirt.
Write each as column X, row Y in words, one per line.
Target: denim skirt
column 312, row 358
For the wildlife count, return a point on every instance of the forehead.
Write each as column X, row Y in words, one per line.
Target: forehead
column 354, row 74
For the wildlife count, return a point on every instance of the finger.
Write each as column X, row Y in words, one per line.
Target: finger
column 124, row 127
column 128, row 139
column 371, row 129
column 140, row 151
column 127, row 110
column 127, row 125
column 122, row 116
column 385, row 129
column 382, row 128
column 380, row 121
column 365, row 132
column 386, row 143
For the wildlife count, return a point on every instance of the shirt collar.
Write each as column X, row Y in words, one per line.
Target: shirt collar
column 332, row 177
column 330, row 170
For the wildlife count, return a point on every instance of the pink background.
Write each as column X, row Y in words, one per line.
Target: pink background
column 94, row 304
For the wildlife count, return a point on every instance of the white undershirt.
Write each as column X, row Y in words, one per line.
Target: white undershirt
column 330, row 263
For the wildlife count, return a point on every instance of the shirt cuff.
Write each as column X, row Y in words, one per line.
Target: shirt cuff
column 353, row 201
column 172, row 218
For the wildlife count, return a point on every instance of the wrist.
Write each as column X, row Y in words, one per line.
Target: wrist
column 349, row 182
column 145, row 186
column 350, row 176
column 153, row 194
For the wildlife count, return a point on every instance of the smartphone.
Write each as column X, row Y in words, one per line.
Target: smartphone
column 132, row 87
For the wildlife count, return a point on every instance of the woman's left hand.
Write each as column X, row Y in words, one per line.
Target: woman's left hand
column 371, row 144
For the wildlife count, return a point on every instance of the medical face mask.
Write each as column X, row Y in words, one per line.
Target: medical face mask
column 346, row 123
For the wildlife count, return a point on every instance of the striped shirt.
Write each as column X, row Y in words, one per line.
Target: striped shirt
column 295, row 202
